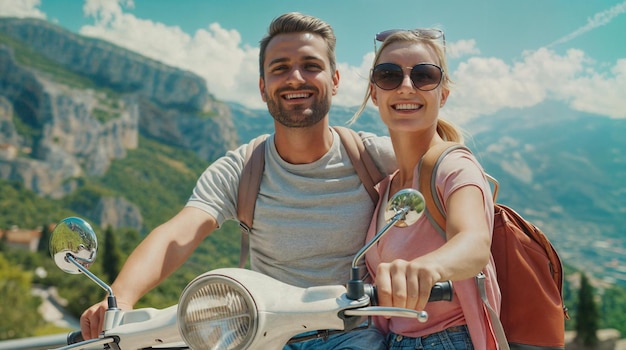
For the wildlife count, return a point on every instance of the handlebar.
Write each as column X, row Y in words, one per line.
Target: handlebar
column 75, row 337
column 441, row 291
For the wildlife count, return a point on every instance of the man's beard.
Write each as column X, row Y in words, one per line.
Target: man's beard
column 298, row 117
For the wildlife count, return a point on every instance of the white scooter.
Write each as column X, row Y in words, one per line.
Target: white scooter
column 237, row 309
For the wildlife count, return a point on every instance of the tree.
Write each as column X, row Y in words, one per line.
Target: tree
column 17, row 305
column 112, row 259
column 3, row 243
column 586, row 315
column 43, row 246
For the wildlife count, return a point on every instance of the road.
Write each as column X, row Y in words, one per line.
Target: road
column 52, row 308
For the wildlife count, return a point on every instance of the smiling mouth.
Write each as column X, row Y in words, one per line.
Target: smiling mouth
column 407, row 107
column 297, row 96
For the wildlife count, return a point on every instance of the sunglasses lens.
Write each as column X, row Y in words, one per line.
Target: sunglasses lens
column 424, row 33
column 384, row 35
column 429, row 33
column 387, row 76
column 426, row 77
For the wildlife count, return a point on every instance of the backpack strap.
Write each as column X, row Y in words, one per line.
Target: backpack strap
column 428, row 187
column 427, row 167
column 254, row 163
column 249, row 184
column 361, row 160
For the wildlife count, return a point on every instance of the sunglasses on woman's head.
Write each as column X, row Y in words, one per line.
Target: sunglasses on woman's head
column 427, row 33
column 424, row 76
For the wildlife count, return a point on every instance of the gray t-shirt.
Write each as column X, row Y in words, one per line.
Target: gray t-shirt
column 310, row 219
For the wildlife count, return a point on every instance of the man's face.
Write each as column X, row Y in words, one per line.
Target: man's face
column 298, row 85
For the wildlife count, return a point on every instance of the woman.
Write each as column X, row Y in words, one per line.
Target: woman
column 409, row 85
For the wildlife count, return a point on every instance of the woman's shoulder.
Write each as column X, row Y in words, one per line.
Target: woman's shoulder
column 459, row 168
column 460, row 159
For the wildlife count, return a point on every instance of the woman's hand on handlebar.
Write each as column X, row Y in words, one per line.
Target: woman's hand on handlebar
column 404, row 284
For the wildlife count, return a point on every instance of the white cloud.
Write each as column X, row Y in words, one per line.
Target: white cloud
column 602, row 93
column 106, row 10
column 485, row 85
column 461, row 48
column 214, row 53
column 598, row 20
column 21, row 9
column 353, row 82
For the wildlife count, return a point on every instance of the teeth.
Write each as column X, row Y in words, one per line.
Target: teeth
column 300, row 95
column 407, row 106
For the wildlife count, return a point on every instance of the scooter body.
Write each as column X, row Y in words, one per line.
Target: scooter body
column 233, row 308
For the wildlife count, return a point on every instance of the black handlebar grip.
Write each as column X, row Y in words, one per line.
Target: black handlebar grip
column 74, row 337
column 441, row 291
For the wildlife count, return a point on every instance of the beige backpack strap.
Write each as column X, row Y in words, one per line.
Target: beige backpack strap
column 361, row 160
column 249, row 184
column 427, row 182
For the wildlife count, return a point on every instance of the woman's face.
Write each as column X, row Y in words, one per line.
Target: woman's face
column 407, row 108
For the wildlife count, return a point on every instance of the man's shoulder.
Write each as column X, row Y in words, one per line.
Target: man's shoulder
column 380, row 149
column 257, row 139
column 372, row 140
column 365, row 135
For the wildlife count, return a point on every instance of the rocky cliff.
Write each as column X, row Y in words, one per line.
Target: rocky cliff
column 69, row 105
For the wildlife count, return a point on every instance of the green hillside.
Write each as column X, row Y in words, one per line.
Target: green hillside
column 158, row 179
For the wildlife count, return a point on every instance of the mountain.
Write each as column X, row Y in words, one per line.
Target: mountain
column 70, row 106
column 88, row 100
column 105, row 133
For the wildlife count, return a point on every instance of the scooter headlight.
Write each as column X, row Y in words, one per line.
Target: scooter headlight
column 216, row 312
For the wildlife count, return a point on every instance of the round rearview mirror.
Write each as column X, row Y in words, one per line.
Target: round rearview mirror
column 73, row 236
column 408, row 198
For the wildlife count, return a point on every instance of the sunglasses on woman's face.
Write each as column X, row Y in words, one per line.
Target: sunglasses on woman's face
column 424, row 76
column 428, row 33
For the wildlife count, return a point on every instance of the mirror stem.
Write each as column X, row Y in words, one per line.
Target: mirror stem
column 111, row 298
column 399, row 216
column 355, row 288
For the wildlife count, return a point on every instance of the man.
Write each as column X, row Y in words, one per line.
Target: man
column 312, row 211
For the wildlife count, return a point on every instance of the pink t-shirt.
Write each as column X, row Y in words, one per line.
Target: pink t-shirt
column 459, row 168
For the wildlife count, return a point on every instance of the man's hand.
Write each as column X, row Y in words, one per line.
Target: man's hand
column 92, row 320
column 164, row 250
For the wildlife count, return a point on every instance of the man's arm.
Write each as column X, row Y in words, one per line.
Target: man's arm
column 163, row 251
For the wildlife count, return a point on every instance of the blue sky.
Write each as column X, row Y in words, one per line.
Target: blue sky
column 503, row 54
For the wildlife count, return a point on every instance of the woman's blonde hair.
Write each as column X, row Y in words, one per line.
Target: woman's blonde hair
column 447, row 130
